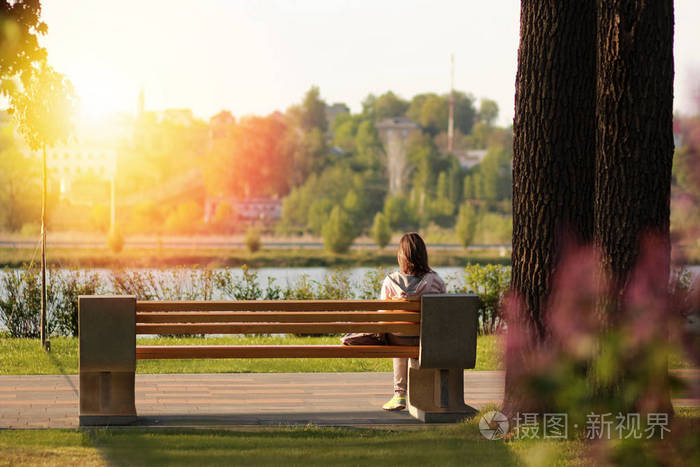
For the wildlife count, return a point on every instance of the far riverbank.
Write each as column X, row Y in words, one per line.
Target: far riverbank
column 302, row 256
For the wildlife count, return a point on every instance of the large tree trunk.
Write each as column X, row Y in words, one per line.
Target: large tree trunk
column 634, row 129
column 634, row 143
column 553, row 163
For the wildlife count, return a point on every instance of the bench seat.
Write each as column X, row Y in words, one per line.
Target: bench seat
column 275, row 351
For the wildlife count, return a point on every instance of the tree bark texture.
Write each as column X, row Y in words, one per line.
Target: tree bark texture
column 634, row 140
column 553, row 143
column 553, row 161
column 634, row 130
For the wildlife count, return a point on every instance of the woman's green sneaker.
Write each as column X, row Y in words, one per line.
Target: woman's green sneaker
column 396, row 403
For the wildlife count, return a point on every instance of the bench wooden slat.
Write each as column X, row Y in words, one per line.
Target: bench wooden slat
column 271, row 328
column 275, row 316
column 275, row 351
column 278, row 305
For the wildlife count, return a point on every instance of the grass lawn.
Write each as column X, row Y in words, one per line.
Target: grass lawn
column 460, row 444
column 25, row 357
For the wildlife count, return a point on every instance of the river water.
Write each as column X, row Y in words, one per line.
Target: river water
column 454, row 276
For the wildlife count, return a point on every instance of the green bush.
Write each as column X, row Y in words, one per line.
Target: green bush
column 252, row 239
column 72, row 284
column 490, row 282
column 338, row 233
column 20, row 300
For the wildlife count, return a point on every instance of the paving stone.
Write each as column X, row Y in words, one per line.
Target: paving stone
column 233, row 399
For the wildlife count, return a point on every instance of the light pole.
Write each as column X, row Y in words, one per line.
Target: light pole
column 45, row 343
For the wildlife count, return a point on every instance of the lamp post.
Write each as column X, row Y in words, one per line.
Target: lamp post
column 45, row 343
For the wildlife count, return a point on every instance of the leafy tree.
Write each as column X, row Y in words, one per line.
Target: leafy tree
column 381, row 232
column 253, row 159
column 21, row 56
column 338, row 232
column 478, row 186
column 45, row 108
column 468, row 188
column 466, row 224
column 313, row 111
column 430, row 111
column 425, row 159
column 19, row 184
column 399, row 214
column 434, row 114
column 488, row 111
column 345, row 131
column 465, row 113
column 496, row 175
column 318, row 214
column 368, row 146
column 354, row 205
column 368, row 107
column 389, row 105
column 454, row 181
column 441, row 208
column 223, row 214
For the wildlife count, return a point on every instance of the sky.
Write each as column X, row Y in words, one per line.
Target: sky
column 255, row 57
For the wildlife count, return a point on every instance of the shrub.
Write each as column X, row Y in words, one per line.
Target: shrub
column 244, row 287
column 301, row 289
column 20, row 301
column 115, row 241
column 72, row 284
column 490, row 282
column 252, row 239
column 336, row 286
column 371, row 286
column 381, row 232
column 338, row 232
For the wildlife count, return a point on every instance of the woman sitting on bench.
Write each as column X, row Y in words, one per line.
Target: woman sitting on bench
column 413, row 279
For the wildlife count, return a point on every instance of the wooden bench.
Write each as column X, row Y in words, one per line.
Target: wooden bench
column 108, row 325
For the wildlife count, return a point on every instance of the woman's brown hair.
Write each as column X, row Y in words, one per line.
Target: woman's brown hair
column 412, row 255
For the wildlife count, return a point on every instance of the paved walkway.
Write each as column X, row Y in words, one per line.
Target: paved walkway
column 241, row 399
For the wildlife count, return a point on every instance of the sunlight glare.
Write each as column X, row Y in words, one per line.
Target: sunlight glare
column 102, row 94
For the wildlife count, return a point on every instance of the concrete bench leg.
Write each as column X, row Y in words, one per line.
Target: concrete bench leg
column 437, row 396
column 107, row 360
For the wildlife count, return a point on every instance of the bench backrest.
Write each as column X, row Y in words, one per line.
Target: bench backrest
column 447, row 325
column 277, row 316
